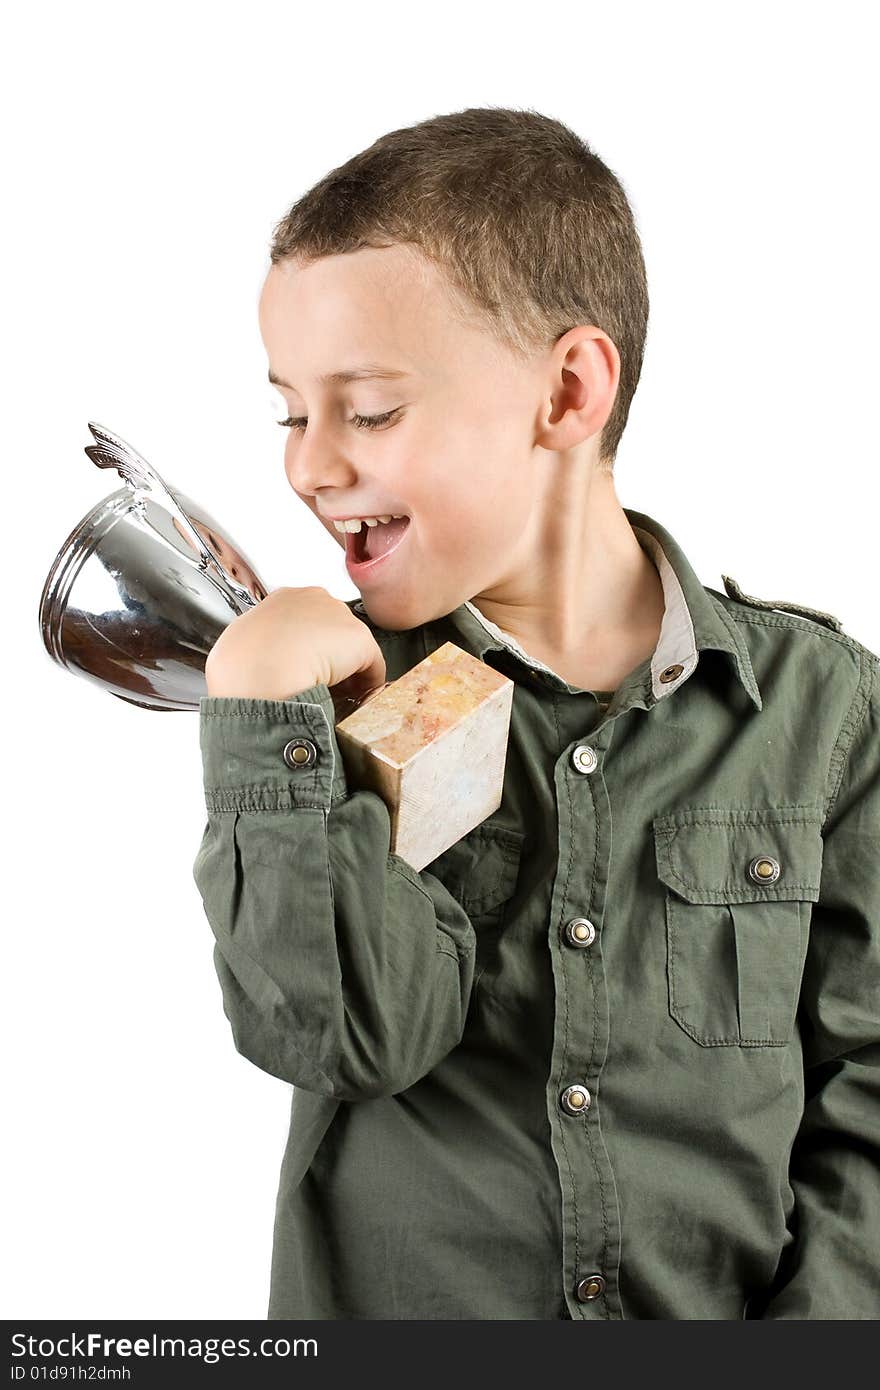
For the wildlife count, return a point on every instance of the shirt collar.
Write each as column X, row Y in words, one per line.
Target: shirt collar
column 694, row 620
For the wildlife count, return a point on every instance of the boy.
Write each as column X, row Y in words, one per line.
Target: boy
column 615, row 1053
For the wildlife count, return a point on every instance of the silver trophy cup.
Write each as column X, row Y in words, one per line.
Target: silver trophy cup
column 143, row 587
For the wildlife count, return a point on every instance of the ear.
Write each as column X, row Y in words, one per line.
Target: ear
column 583, row 372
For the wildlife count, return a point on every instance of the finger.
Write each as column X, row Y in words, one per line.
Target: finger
column 368, row 676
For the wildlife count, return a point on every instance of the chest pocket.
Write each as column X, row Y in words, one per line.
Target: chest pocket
column 736, row 946
column 481, row 871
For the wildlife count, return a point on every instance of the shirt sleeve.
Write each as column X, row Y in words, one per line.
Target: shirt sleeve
column 830, row 1269
column 343, row 970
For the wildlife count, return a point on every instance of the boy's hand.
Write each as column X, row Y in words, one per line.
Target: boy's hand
column 292, row 639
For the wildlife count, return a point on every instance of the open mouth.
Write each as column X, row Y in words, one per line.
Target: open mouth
column 372, row 543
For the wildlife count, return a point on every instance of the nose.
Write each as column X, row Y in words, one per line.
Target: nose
column 313, row 459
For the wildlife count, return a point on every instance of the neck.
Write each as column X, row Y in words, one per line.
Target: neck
column 583, row 597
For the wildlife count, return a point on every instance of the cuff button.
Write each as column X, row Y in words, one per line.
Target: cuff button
column 300, row 753
column 764, row 869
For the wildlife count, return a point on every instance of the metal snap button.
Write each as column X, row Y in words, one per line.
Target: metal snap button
column 300, row 753
column 584, row 758
column 671, row 673
column 764, row 869
column 575, row 1099
column 580, row 932
column 589, row 1288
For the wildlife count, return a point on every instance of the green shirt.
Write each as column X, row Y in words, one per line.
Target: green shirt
column 616, row 1053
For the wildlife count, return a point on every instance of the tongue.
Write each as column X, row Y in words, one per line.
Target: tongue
column 383, row 536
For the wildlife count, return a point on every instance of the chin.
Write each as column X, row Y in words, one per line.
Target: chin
column 398, row 612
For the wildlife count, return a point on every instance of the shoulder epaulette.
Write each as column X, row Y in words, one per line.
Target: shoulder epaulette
column 827, row 619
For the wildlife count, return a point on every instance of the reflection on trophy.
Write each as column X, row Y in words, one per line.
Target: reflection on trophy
column 145, row 584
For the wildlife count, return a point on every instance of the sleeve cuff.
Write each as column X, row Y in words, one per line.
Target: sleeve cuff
column 243, row 742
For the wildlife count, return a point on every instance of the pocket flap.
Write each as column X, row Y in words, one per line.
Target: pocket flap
column 703, row 853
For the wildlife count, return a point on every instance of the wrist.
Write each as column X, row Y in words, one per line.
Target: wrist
column 256, row 690
column 249, row 685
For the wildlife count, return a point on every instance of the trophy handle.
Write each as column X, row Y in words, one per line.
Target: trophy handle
column 112, row 451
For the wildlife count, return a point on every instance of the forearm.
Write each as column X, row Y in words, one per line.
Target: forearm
column 343, row 970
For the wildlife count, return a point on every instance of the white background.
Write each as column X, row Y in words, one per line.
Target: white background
column 149, row 150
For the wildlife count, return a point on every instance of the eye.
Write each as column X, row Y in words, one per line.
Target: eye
column 364, row 422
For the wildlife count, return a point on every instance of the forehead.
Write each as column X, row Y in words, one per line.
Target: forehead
column 378, row 303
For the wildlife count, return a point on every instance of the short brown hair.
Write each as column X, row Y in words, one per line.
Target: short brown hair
column 515, row 209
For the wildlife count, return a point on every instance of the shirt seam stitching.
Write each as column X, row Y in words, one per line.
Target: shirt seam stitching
column 795, row 623
column 851, row 725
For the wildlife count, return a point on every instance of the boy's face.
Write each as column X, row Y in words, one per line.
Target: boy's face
column 457, row 452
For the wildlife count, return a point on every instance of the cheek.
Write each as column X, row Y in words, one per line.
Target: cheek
column 454, row 528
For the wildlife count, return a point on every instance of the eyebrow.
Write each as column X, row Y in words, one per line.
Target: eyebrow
column 361, row 373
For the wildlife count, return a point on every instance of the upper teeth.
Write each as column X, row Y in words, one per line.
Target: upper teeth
column 354, row 524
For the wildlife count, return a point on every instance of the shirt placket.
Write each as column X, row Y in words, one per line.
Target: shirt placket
column 591, row 1222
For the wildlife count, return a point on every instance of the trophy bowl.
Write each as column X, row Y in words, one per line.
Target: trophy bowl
column 143, row 587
